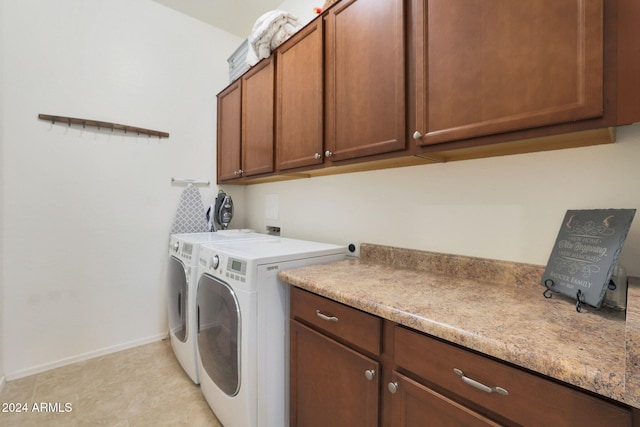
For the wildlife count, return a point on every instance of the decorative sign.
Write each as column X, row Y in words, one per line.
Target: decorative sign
column 586, row 253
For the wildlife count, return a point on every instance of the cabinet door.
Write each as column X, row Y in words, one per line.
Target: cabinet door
column 299, row 130
column 329, row 386
column 490, row 66
column 257, row 118
column 365, row 104
column 229, row 132
column 414, row 404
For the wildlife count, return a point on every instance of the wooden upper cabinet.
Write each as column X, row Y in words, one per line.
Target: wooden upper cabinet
column 490, row 66
column 365, row 78
column 258, row 106
column 229, row 132
column 299, row 103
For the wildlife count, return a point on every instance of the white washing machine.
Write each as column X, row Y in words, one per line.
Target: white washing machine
column 182, row 277
column 243, row 326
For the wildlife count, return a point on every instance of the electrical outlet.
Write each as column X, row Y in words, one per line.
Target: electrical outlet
column 353, row 248
column 273, row 230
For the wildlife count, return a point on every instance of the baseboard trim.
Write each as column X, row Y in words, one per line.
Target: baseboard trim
column 81, row 358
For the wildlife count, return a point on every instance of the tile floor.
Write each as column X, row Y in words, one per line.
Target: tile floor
column 143, row 386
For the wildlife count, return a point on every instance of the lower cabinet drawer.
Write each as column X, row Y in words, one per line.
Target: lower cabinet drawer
column 514, row 394
column 413, row 404
column 356, row 327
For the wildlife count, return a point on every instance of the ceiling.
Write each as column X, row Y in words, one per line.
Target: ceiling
column 234, row 16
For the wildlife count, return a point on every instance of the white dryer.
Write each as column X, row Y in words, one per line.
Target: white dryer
column 243, row 326
column 182, row 276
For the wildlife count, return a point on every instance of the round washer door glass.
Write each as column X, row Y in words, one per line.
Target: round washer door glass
column 219, row 333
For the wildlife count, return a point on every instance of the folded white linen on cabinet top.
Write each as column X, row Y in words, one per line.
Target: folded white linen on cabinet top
column 269, row 32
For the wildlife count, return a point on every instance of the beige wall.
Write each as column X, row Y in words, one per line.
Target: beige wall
column 87, row 213
column 2, row 26
column 507, row 208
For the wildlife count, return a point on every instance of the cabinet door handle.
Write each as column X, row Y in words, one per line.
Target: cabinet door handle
column 370, row 374
column 325, row 317
column 417, row 135
column 479, row 385
column 317, row 156
column 328, row 153
column 392, row 387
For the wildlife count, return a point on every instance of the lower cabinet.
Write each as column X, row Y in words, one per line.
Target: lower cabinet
column 333, row 384
column 340, row 355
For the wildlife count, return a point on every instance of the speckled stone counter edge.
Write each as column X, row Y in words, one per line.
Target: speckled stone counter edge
column 481, row 269
column 632, row 343
column 625, row 389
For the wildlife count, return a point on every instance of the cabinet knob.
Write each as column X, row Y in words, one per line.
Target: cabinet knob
column 393, row 387
column 328, row 153
column 417, row 135
column 370, row 374
column 317, row 156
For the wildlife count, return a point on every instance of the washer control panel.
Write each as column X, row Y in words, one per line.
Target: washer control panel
column 236, row 269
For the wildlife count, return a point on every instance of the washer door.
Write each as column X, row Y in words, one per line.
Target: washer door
column 177, row 299
column 219, row 333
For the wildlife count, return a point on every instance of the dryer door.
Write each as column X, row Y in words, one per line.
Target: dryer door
column 177, row 299
column 219, row 333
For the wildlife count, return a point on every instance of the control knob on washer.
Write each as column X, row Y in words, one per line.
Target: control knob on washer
column 215, row 262
column 176, row 246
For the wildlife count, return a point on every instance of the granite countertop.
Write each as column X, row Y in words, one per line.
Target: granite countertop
column 494, row 307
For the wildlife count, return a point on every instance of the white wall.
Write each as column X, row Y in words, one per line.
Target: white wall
column 507, row 208
column 302, row 9
column 1, row 194
column 86, row 212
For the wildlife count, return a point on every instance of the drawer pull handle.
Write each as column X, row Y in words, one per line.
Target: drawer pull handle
column 325, row 317
column 479, row 385
column 370, row 374
column 393, row 387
